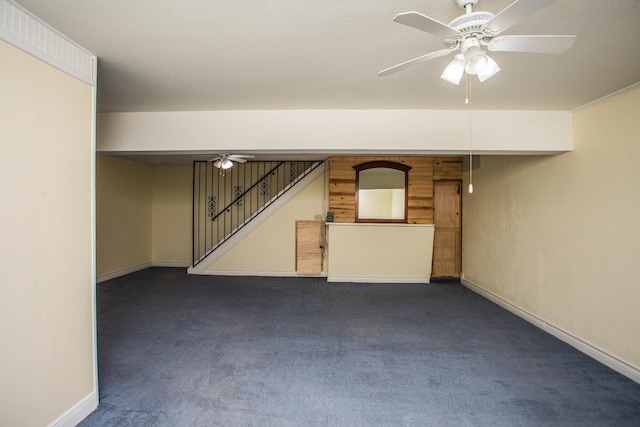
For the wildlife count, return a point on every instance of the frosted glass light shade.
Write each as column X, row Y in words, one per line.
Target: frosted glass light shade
column 476, row 60
column 454, row 71
column 489, row 71
column 223, row 163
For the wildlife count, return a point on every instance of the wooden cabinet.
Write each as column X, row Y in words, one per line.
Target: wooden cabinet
column 309, row 246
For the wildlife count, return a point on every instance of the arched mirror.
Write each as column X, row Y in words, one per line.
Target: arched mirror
column 381, row 192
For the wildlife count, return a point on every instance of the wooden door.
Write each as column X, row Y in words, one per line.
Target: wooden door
column 447, row 244
column 309, row 242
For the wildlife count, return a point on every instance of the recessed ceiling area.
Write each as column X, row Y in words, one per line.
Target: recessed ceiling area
column 188, row 55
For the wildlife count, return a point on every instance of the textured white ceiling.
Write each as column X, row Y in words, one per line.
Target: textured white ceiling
column 177, row 55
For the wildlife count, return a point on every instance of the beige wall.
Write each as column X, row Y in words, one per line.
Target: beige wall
column 172, row 210
column 271, row 247
column 559, row 237
column 47, row 352
column 123, row 215
column 143, row 215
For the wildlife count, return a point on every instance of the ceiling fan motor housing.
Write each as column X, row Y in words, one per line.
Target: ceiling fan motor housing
column 470, row 25
column 471, row 22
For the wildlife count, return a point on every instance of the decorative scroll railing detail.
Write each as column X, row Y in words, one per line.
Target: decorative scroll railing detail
column 224, row 203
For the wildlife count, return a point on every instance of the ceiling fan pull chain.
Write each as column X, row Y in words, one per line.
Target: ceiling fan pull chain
column 468, row 101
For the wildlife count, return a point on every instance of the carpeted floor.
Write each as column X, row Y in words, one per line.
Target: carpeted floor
column 178, row 350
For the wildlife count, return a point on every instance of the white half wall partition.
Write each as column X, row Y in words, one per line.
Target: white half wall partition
column 336, row 131
column 381, row 253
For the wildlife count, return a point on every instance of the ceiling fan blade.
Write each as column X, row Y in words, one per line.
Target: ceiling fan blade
column 514, row 13
column 424, row 23
column 237, row 159
column 242, row 156
column 532, row 44
column 214, row 159
column 423, row 58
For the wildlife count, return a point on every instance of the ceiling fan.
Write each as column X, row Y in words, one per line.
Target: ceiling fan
column 225, row 161
column 472, row 32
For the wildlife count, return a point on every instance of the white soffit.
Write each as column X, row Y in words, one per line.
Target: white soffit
column 333, row 131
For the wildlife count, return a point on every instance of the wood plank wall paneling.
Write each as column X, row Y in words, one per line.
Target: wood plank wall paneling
column 424, row 170
column 447, row 168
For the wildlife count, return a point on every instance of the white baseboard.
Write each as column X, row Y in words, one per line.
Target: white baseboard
column 129, row 270
column 354, row 279
column 586, row 348
column 176, row 264
column 78, row 412
column 261, row 273
column 123, row 272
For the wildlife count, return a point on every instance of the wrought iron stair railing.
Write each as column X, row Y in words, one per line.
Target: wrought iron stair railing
column 225, row 201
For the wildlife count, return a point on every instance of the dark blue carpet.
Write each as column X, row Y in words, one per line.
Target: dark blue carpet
column 178, row 350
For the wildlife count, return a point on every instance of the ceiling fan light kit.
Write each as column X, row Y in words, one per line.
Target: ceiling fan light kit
column 223, row 164
column 473, row 31
column 225, row 161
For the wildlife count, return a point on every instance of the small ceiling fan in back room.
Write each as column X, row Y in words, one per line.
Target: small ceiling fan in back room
column 473, row 32
column 225, row 161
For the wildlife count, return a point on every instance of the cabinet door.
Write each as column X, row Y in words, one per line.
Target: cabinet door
column 309, row 238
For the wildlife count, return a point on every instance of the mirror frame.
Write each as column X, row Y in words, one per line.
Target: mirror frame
column 388, row 165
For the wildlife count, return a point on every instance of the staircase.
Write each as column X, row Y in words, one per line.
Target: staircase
column 227, row 201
